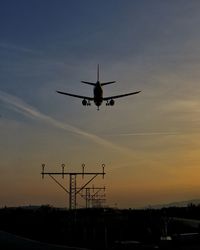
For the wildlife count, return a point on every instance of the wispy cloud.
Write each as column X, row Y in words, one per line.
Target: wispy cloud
column 10, row 46
column 29, row 111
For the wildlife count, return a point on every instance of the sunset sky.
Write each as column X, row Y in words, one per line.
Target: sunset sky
column 150, row 142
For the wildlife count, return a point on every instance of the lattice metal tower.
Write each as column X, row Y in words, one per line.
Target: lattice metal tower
column 72, row 191
column 93, row 196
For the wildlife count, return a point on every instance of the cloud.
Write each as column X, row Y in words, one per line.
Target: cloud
column 10, row 46
column 20, row 106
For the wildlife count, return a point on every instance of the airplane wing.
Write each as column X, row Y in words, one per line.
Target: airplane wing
column 77, row 96
column 119, row 96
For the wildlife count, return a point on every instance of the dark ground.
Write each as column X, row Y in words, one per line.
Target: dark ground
column 12, row 242
column 99, row 228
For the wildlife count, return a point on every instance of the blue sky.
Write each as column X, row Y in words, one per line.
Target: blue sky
column 148, row 142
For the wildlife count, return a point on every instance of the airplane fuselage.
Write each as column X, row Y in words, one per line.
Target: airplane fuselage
column 98, row 94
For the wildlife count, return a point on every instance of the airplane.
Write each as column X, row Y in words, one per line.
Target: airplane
column 98, row 94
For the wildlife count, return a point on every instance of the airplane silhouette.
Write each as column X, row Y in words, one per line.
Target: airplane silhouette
column 98, row 94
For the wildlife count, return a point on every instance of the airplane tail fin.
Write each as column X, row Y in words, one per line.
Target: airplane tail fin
column 104, row 83
column 92, row 83
column 98, row 73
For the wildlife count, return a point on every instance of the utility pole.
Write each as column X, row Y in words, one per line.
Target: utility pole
column 72, row 190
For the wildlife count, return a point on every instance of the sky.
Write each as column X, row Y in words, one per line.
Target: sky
column 149, row 142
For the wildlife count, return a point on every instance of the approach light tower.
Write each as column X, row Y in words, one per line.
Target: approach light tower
column 73, row 176
column 94, row 196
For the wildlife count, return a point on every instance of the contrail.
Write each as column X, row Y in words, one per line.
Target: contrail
column 29, row 111
column 144, row 134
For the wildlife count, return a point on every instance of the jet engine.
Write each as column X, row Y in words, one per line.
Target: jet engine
column 112, row 102
column 84, row 102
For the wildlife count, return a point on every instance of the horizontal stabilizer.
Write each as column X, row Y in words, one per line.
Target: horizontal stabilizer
column 106, row 83
column 90, row 83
